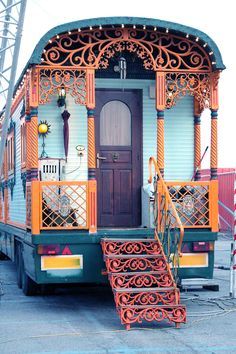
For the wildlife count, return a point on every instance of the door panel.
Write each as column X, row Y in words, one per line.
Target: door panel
column 118, row 119
column 107, row 191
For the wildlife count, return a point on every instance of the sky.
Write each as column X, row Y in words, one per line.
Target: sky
column 215, row 18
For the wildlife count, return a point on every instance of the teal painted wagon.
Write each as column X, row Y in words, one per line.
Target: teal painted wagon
column 95, row 101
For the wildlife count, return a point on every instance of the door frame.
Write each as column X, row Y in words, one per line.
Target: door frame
column 137, row 133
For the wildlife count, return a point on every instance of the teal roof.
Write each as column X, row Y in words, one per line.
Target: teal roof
column 173, row 28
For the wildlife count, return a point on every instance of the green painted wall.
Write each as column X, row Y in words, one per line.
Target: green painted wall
column 179, row 154
column 179, row 140
column 75, row 169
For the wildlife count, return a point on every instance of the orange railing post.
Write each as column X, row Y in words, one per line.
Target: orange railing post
column 213, row 202
column 35, row 207
column 92, row 206
column 165, row 190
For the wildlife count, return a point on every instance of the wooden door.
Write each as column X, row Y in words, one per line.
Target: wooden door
column 118, row 119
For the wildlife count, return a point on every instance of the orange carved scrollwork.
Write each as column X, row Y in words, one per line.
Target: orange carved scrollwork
column 51, row 80
column 34, row 88
column 27, row 93
column 94, row 48
column 214, row 104
column 194, row 84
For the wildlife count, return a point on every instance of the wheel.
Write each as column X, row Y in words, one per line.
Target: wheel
column 47, row 289
column 18, row 261
column 29, row 287
column 3, row 257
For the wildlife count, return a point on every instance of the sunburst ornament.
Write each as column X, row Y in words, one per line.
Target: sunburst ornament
column 44, row 128
column 43, row 131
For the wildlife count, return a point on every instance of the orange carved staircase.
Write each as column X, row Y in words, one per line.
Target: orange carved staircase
column 142, row 282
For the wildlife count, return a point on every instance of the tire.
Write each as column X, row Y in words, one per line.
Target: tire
column 29, row 287
column 47, row 289
column 18, row 266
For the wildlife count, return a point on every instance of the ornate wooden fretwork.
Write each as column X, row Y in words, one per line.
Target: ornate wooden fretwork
column 94, row 48
column 194, row 84
column 214, row 103
column 51, row 80
column 34, row 84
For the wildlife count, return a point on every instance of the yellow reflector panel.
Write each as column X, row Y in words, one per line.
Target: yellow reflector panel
column 193, row 260
column 62, row 262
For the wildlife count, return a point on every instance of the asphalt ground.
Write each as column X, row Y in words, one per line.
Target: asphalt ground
column 84, row 320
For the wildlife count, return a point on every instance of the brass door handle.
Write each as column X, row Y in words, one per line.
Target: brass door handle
column 100, row 158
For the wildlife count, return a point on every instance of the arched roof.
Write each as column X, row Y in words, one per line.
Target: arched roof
column 174, row 28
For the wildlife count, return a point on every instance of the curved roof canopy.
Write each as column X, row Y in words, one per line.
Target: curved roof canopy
column 175, row 28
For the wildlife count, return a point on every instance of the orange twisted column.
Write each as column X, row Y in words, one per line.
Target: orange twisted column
column 91, row 145
column 28, row 148
column 197, row 147
column 90, row 103
column 33, row 132
column 214, row 144
column 160, row 141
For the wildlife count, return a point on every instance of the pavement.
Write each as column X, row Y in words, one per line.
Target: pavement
column 83, row 320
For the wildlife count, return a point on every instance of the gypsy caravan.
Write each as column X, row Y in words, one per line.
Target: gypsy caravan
column 103, row 142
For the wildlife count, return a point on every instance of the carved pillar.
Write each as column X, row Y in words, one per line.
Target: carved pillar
column 34, row 154
column 214, row 105
column 33, row 128
column 91, row 145
column 214, row 144
column 28, row 148
column 160, row 141
column 90, row 103
column 160, row 106
column 197, row 140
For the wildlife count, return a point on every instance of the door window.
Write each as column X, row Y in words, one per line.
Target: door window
column 115, row 124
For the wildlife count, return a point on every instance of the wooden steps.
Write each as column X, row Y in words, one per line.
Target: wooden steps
column 142, row 282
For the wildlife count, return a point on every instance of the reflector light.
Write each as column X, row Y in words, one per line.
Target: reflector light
column 66, row 250
column 49, row 249
column 201, row 246
column 186, row 248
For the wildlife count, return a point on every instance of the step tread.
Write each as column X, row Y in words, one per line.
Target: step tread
column 138, row 256
column 123, row 240
column 144, row 290
column 139, row 273
column 151, row 306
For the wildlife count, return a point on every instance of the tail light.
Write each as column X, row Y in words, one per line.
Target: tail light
column 202, row 246
column 48, row 249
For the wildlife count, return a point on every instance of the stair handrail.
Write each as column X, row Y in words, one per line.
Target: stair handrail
column 152, row 161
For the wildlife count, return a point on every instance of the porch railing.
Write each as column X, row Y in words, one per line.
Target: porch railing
column 61, row 205
column 196, row 203
column 182, row 205
column 166, row 215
